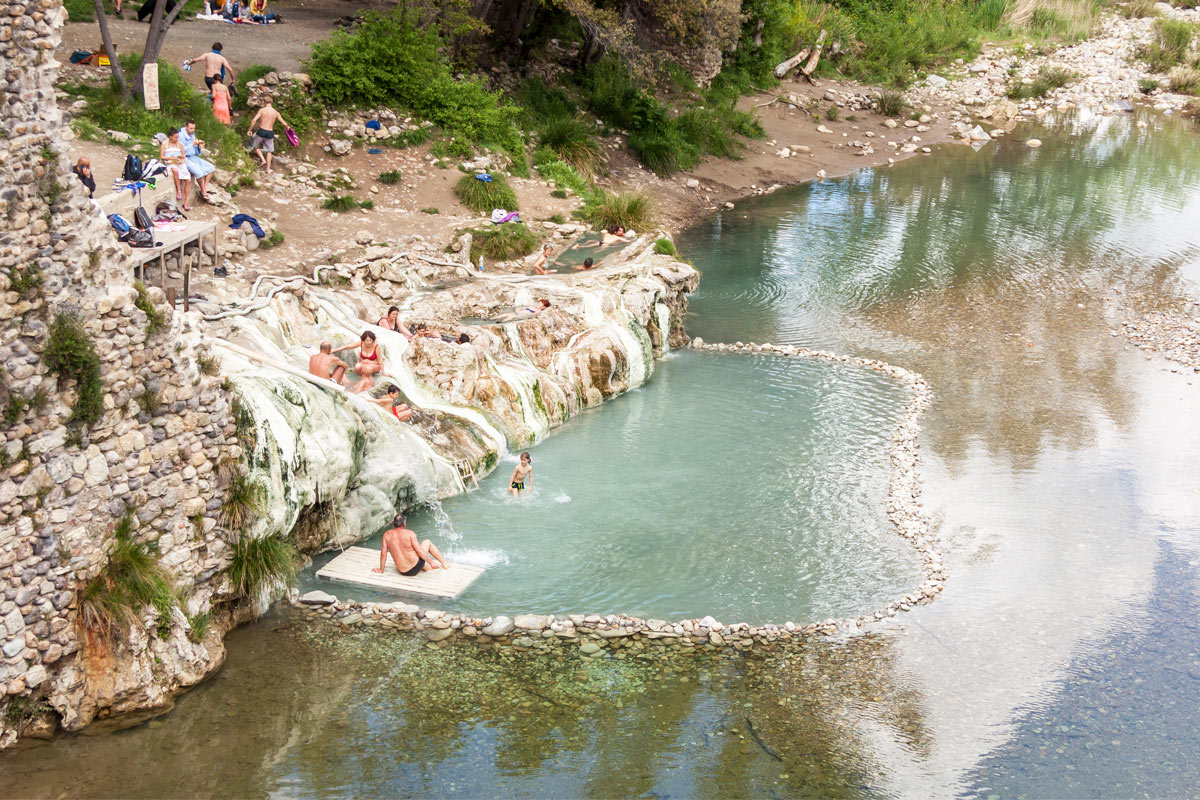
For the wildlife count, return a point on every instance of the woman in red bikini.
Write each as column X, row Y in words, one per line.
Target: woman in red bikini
column 370, row 360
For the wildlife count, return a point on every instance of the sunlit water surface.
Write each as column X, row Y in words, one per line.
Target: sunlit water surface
column 1063, row 659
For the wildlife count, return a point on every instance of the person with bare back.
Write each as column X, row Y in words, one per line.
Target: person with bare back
column 262, row 129
column 410, row 556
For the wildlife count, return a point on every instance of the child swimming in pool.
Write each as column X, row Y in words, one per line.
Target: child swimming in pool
column 521, row 473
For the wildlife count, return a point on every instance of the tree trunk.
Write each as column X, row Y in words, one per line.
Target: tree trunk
column 811, row 66
column 784, row 67
column 114, row 63
column 160, row 23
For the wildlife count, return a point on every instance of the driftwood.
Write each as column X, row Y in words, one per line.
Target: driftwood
column 811, row 66
column 787, row 66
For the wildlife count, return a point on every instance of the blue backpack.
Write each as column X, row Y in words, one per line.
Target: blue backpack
column 120, row 225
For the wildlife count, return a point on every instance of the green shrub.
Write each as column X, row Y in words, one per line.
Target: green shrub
column 574, row 141
column 276, row 238
column 386, row 59
column 1138, row 9
column 663, row 150
column 558, row 219
column 1186, row 3
column 1172, row 37
column 198, row 626
column 367, row 204
column 1048, row 79
column 390, row 178
column 340, row 203
column 149, row 401
column 665, row 247
column 541, row 103
column 131, row 580
column 430, row 210
column 179, row 103
column 559, row 193
column 207, row 363
column 243, row 502
column 1148, row 85
column 156, row 320
column 25, row 280
column 563, row 174
column 503, row 242
column 71, row 354
column 1184, row 80
column 631, row 210
column 483, row 196
column 712, row 132
column 260, row 563
column 251, row 73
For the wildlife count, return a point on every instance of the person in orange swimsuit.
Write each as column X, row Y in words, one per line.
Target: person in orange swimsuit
column 220, row 95
column 370, row 360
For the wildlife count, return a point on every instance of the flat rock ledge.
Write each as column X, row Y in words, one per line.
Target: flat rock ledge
column 595, row 635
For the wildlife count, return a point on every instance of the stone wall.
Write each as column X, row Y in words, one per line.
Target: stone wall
column 153, row 446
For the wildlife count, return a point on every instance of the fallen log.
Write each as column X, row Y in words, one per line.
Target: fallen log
column 784, row 67
column 811, row 66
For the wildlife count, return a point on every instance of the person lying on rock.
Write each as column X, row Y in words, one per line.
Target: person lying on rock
column 521, row 473
column 370, row 360
column 410, row 556
column 324, row 364
column 400, row 411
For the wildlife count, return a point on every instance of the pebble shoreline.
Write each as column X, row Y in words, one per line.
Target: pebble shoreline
column 597, row 635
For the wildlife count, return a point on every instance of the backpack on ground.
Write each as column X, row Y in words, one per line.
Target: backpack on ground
column 120, row 225
column 133, row 168
column 140, row 239
column 141, row 218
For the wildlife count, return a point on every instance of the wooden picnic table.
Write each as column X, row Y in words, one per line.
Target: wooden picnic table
column 169, row 241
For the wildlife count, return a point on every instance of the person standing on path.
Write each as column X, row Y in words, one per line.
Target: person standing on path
column 215, row 66
column 262, row 129
column 220, row 98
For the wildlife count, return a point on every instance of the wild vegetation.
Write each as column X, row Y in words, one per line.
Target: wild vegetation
column 503, row 242
column 1169, row 47
column 260, row 563
column 132, row 579
column 483, row 196
column 70, row 354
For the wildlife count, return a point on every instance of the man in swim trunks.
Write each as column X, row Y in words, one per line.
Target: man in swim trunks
column 325, row 364
column 410, row 556
column 214, row 64
column 522, row 473
column 262, row 128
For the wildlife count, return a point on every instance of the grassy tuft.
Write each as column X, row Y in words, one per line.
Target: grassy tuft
column 1184, row 80
column 503, row 242
column 573, row 140
column 71, row 354
column 665, row 247
column 430, row 210
column 390, row 178
column 131, row 580
column 632, row 210
column 1138, row 9
column 1172, row 37
column 260, row 563
column 156, row 320
column 892, row 103
column 482, row 196
column 244, row 498
column 340, row 203
column 1047, row 80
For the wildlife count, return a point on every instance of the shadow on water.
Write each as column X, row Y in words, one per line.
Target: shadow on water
column 1124, row 717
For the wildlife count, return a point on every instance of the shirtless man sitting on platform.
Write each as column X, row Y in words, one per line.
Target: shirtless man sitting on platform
column 410, row 556
column 326, row 365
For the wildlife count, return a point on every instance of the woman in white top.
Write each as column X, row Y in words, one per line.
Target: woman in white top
column 171, row 154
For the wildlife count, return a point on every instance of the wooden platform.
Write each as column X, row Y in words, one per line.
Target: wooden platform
column 355, row 565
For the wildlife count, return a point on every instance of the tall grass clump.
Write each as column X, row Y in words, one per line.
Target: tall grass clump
column 1138, row 9
column 1172, row 37
column 892, row 103
column 390, row 178
column 340, row 203
column 131, row 580
column 260, row 563
column 244, row 498
column 562, row 173
column 573, row 140
column 542, row 102
column 503, row 242
column 630, row 210
column 71, row 354
column 1184, row 80
column 665, row 247
column 1047, row 80
column 179, row 102
column 483, row 196
column 1067, row 20
column 390, row 58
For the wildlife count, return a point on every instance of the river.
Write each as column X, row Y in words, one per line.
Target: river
column 1063, row 657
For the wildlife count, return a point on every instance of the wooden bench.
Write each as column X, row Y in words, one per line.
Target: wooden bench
column 356, row 563
column 168, row 241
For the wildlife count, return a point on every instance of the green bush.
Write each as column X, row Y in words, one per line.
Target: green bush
column 243, row 502
column 71, row 354
column 1048, row 79
column 1172, row 37
column 563, row 174
column 385, row 59
column 665, row 247
column 559, row 193
column 1148, row 85
column 631, row 210
column 541, row 103
column 131, row 580
column 1184, row 80
column 179, row 103
column 503, row 242
column 573, row 140
column 260, row 563
column 483, row 196
column 340, row 203
column 390, row 178
column 156, row 320
column 892, row 103
column 250, row 73
column 267, row 242
column 430, row 210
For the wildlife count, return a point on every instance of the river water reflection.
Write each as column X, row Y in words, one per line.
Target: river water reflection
column 1063, row 658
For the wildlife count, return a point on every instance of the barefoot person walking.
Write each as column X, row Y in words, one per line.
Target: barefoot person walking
column 215, row 66
column 410, row 556
column 262, row 128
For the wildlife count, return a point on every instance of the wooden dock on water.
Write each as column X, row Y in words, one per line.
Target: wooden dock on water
column 356, row 563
